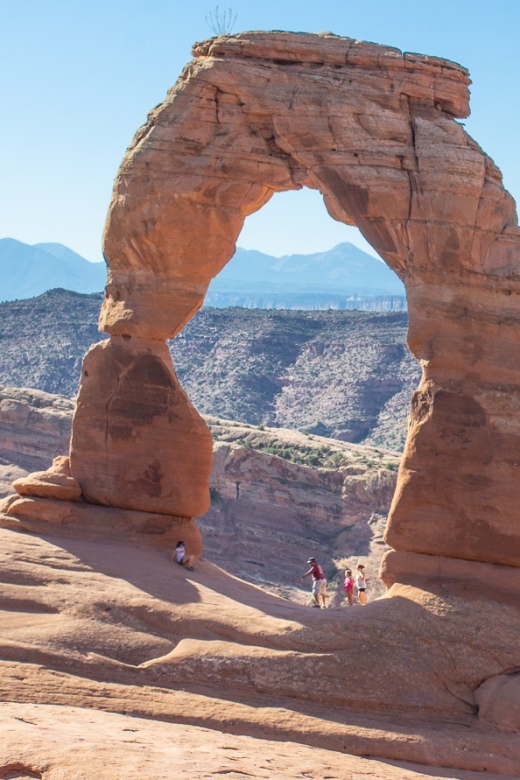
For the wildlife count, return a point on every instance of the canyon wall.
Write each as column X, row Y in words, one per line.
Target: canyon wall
column 268, row 512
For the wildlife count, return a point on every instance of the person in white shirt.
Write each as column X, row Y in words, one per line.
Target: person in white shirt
column 179, row 554
column 361, row 584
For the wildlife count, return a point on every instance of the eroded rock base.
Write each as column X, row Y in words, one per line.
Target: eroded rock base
column 69, row 519
column 452, row 576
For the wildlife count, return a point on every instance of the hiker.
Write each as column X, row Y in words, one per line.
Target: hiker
column 319, row 583
column 361, row 584
column 348, row 587
column 181, row 558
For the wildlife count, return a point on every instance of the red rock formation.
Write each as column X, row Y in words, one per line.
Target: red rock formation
column 34, row 426
column 285, row 509
column 374, row 130
column 137, row 442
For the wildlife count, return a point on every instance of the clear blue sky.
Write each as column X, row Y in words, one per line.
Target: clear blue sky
column 78, row 78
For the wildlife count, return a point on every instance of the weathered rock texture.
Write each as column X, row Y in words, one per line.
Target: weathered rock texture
column 93, row 632
column 375, row 131
column 34, row 427
column 271, row 509
column 137, row 442
column 42, row 740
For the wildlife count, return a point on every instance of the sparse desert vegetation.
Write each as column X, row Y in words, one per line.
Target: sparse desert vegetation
column 345, row 375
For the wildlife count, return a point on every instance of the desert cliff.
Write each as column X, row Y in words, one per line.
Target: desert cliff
column 277, row 495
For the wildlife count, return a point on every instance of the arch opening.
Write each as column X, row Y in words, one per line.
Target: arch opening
column 291, row 255
column 357, row 371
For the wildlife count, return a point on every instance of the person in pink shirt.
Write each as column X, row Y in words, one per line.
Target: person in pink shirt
column 348, row 587
column 319, row 583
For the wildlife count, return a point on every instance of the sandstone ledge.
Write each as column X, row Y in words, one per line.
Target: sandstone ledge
column 57, row 732
column 467, row 579
column 48, row 485
column 451, row 79
column 69, row 519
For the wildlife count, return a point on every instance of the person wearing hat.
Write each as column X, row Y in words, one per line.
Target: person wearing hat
column 319, row 583
column 361, row 584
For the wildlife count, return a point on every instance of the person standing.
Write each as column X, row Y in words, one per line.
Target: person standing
column 348, row 587
column 319, row 583
column 361, row 584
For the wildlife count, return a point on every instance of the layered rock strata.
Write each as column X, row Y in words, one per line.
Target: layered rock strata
column 376, row 132
column 113, row 626
column 260, row 367
column 34, row 427
column 268, row 513
column 137, row 442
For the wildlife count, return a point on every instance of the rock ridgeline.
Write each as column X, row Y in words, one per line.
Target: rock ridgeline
column 305, row 301
column 277, row 495
column 346, row 375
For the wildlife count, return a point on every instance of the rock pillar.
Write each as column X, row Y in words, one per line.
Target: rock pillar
column 137, row 442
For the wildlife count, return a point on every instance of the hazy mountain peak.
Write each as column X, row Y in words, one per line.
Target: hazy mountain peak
column 27, row 271
column 344, row 271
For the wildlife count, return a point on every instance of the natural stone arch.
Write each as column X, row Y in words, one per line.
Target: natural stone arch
column 374, row 130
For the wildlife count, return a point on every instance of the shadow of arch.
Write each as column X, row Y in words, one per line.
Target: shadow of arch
column 374, row 130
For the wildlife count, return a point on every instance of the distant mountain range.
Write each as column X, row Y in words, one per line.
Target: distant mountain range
column 27, row 270
column 344, row 277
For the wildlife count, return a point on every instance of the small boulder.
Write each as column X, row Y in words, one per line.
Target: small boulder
column 54, row 483
column 498, row 701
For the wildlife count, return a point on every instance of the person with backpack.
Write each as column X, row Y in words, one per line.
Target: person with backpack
column 319, row 583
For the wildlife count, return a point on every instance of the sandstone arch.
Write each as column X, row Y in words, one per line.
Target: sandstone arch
column 376, row 132
column 255, row 113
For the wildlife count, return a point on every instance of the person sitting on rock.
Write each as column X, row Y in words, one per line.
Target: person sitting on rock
column 348, row 587
column 319, row 583
column 181, row 557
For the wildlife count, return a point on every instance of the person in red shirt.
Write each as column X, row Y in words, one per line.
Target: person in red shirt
column 319, row 583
